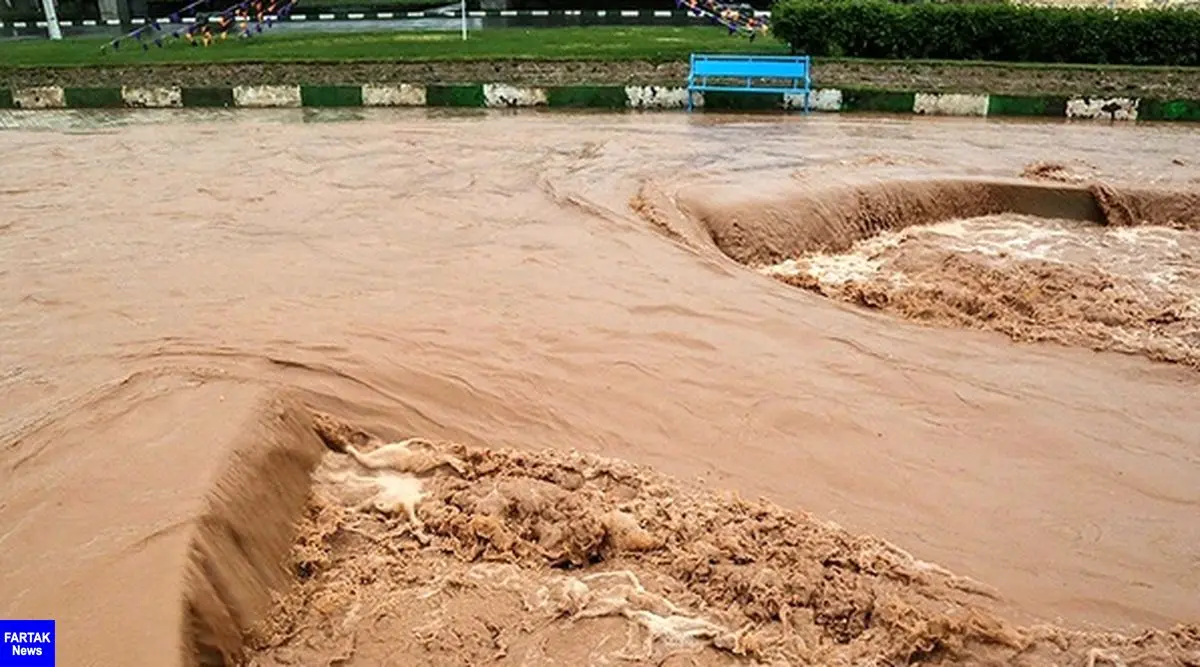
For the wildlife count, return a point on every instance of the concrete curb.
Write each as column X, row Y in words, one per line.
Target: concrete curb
column 501, row 95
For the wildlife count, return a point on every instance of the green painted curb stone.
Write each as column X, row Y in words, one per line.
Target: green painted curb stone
column 455, row 96
column 877, row 100
column 206, row 97
column 93, row 98
column 1169, row 110
column 1018, row 105
column 331, row 96
column 720, row 100
column 6, row 99
column 595, row 97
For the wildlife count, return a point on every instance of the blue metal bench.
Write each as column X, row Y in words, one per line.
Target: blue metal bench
column 795, row 69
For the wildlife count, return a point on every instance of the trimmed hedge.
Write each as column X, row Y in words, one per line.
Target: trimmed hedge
column 996, row 32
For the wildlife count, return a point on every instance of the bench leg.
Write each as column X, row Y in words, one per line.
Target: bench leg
column 689, row 101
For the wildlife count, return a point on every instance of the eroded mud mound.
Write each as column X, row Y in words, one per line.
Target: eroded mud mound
column 555, row 558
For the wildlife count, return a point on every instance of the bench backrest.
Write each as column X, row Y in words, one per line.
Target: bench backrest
column 773, row 67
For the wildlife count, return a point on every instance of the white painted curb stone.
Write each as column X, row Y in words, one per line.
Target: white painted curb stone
column 398, row 95
column 266, row 96
column 950, row 104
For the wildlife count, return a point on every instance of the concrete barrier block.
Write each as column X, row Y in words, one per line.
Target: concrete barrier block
column 266, row 96
column 151, row 97
column 39, row 97
column 950, row 104
column 657, row 97
column 502, row 95
column 1107, row 108
column 393, row 95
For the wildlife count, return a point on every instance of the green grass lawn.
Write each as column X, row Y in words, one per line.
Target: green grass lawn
column 374, row 5
column 589, row 43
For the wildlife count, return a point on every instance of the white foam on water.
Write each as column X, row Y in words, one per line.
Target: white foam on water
column 1159, row 258
column 861, row 262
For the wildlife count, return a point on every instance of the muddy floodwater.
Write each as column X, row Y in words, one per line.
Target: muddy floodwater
column 824, row 389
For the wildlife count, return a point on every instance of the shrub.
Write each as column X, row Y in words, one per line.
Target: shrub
column 999, row 32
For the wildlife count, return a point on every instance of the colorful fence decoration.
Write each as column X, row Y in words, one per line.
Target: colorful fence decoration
column 245, row 19
column 737, row 21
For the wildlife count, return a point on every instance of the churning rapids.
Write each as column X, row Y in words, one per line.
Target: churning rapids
column 974, row 430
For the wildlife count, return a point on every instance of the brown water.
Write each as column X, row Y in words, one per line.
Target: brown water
column 173, row 290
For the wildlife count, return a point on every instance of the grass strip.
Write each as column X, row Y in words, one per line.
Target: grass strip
column 616, row 43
